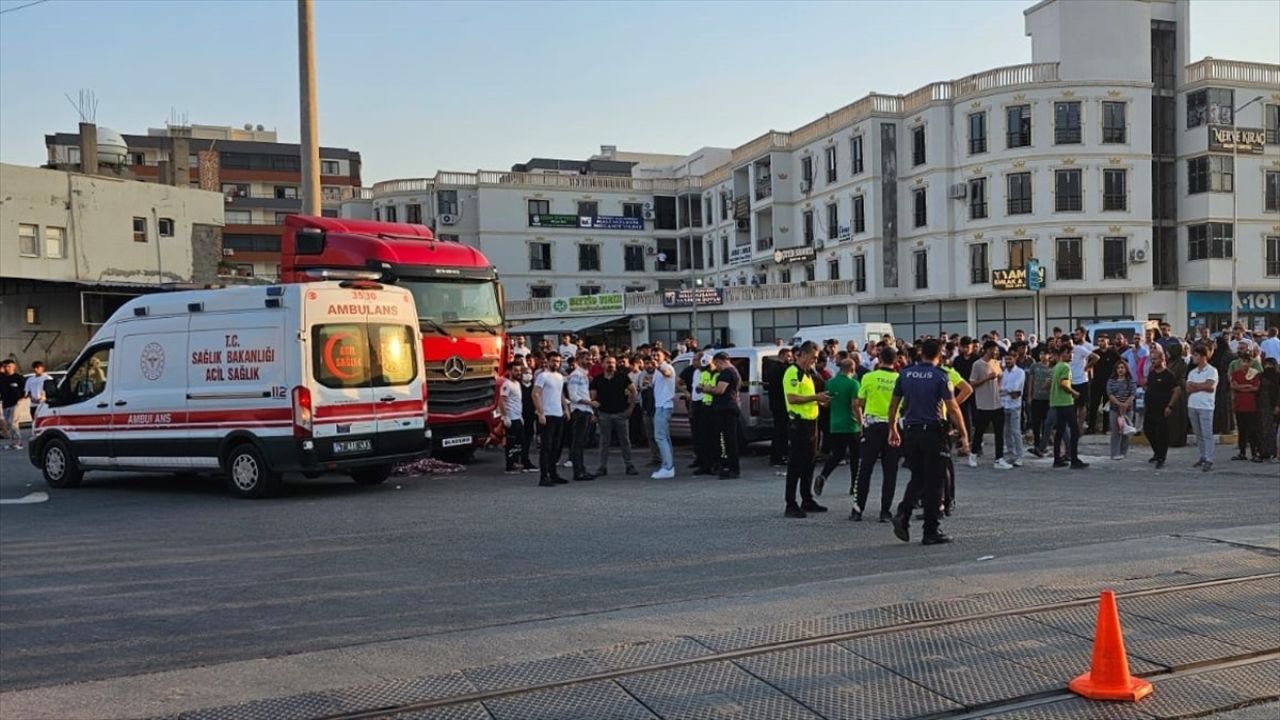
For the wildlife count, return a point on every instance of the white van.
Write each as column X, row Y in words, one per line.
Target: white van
column 861, row 333
column 249, row 382
column 755, row 420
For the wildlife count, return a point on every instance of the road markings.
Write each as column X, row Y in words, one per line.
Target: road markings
column 29, row 499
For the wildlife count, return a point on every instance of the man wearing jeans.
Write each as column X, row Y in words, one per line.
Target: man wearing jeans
column 1063, row 399
column 1012, row 384
column 615, row 399
column 664, row 395
column 1202, row 384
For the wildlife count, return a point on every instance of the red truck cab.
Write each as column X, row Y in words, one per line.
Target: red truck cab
column 460, row 308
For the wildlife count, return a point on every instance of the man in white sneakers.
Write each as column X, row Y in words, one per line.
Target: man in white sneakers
column 664, row 396
column 552, row 406
column 1012, row 383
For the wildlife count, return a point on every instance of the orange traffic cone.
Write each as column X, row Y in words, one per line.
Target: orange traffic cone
column 1108, row 677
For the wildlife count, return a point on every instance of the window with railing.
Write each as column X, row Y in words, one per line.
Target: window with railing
column 1115, row 191
column 922, row 269
column 633, row 258
column 979, row 271
column 633, row 210
column 1207, row 241
column 1272, row 256
column 1271, row 122
column 1069, row 259
column 413, row 213
column 539, row 207
column 859, row 273
column 589, row 208
column 588, row 289
column 1066, row 123
column 447, row 202
column 859, row 215
column 810, row 273
column 1114, row 123
column 764, row 243
column 539, row 256
column 831, row 164
column 806, row 170
column 286, row 192
column 920, row 201
column 588, row 257
column 917, row 146
column 977, row 198
column 1020, row 252
column 833, row 221
column 1068, row 191
column 389, row 212
column 855, row 150
column 540, row 291
column 1271, row 191
column 1018, row 126
column 1115, row 258
column 833, row 269
column 977, row 133
column 808, row 227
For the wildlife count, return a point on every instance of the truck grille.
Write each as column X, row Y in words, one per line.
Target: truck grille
column 474, row 391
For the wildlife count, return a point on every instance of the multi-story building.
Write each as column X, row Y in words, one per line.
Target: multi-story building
column 1139, row 182
column 259, row 177
column 76, row 246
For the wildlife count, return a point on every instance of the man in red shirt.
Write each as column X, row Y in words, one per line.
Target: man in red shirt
column 1246, row 380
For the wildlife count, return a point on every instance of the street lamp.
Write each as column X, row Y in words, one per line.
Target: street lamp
column 1235, row 219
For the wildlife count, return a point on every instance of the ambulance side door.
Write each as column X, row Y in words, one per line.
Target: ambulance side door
column 149, row 403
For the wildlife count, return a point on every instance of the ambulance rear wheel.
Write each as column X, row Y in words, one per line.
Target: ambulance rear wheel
column 60, row 468
column 371, row 475
column 248, row 474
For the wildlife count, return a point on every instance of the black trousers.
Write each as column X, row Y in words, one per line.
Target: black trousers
column 549, row 451
column 580, row 435
column 875, row 446
column 800, row 459
column 1039, row 411
column 529, row 429
column 697, row 433
column 1097, row 393
column 983, row 418
column 925, row 447
column 1248, row 433
column 515, row 444
column 1155, row 426
column 1069, row 426
column 781, row 433
column 725, row 438
column 843, row 444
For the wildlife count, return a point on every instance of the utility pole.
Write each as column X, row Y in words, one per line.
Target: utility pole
column 310, row 136
column 1235, row 213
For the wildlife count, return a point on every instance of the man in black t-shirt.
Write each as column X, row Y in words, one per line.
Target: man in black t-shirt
column 1103, row 361
column 773, row 372
column 12, row 386
column 615, row 397
column 1164, row 389
column 725, row 413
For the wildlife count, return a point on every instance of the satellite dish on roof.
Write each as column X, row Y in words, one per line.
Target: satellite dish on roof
column 112, row 149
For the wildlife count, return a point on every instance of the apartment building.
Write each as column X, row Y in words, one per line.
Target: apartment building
column 259, row 177
column 1139, row 183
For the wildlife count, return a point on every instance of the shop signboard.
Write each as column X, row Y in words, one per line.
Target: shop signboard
column 802, row 253
column 688, row 297
column 1243, row 141
column 601, row 304
column 589, row 222
column 1016, row 278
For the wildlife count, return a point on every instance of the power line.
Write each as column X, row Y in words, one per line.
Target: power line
column 22, row 7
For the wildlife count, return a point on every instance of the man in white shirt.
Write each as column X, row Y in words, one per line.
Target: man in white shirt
column 34, row 388
column 551, row 404
column 568, row 348
column 512, row 409
column 1271, row 346
column 1012, row 383
column 664, row 395
column 520, row 349
column 1080, row 351
column 1202, row 383
column 581, row 415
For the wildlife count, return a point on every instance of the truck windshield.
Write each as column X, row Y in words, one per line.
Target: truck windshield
column 455, row 301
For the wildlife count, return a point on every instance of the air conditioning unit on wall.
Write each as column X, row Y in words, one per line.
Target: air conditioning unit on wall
column 959, row 191
column 1138, row 255
column 637, row 324
column 447, row 219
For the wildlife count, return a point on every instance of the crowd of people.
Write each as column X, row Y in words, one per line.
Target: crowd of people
column 14, row 387
column 882, row 404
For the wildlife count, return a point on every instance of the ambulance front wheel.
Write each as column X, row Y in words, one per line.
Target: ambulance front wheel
column 248, row 474
column 371, row 475
column 60, row 468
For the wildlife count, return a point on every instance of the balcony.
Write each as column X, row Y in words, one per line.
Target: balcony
column 798, row 292
column 741, row 208
column 1233, row 71
column 764, row 188
column 764, row 243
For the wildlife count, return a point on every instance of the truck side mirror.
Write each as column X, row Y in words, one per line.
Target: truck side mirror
column 308, row 241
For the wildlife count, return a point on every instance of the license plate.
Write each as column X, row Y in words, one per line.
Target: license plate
column 343, row 447
column 456, row 441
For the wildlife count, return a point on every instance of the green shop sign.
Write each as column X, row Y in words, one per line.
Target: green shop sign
column 589, row 304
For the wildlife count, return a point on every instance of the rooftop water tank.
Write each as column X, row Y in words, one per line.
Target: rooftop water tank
column 112, row 149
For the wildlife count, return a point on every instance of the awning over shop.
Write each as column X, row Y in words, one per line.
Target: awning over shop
column 571, row 325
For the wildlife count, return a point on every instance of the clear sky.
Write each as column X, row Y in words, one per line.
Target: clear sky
column 417, row 86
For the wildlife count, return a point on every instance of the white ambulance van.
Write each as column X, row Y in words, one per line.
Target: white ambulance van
column 247, row 382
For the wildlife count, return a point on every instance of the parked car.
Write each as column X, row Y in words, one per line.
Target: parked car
column 861, row 333
column 23, row 411
column 1131, row 329
column 756, row 420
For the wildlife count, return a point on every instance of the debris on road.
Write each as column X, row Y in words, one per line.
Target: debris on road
column 428, row 466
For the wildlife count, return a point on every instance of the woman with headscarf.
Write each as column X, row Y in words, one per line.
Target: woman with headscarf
column 1178, row 418
column 1268, row 408
column 1223, row 415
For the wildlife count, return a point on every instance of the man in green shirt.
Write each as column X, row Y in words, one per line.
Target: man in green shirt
column 844, row 429
column 872, row 414
column 1062, row 400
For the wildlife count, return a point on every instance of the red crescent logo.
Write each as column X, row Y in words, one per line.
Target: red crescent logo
column 329, row 363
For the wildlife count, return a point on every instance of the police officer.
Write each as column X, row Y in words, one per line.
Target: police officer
column 708, row 437
column 803, row 406
column 926, row 390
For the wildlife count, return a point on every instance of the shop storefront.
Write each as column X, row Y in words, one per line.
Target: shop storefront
column 1257, row 310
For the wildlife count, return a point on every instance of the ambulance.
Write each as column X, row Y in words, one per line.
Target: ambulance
column 249, row 383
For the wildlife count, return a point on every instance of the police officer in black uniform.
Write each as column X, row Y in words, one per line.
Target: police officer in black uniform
column 926, row 390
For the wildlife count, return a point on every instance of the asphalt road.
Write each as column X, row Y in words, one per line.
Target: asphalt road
column 133, row 574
